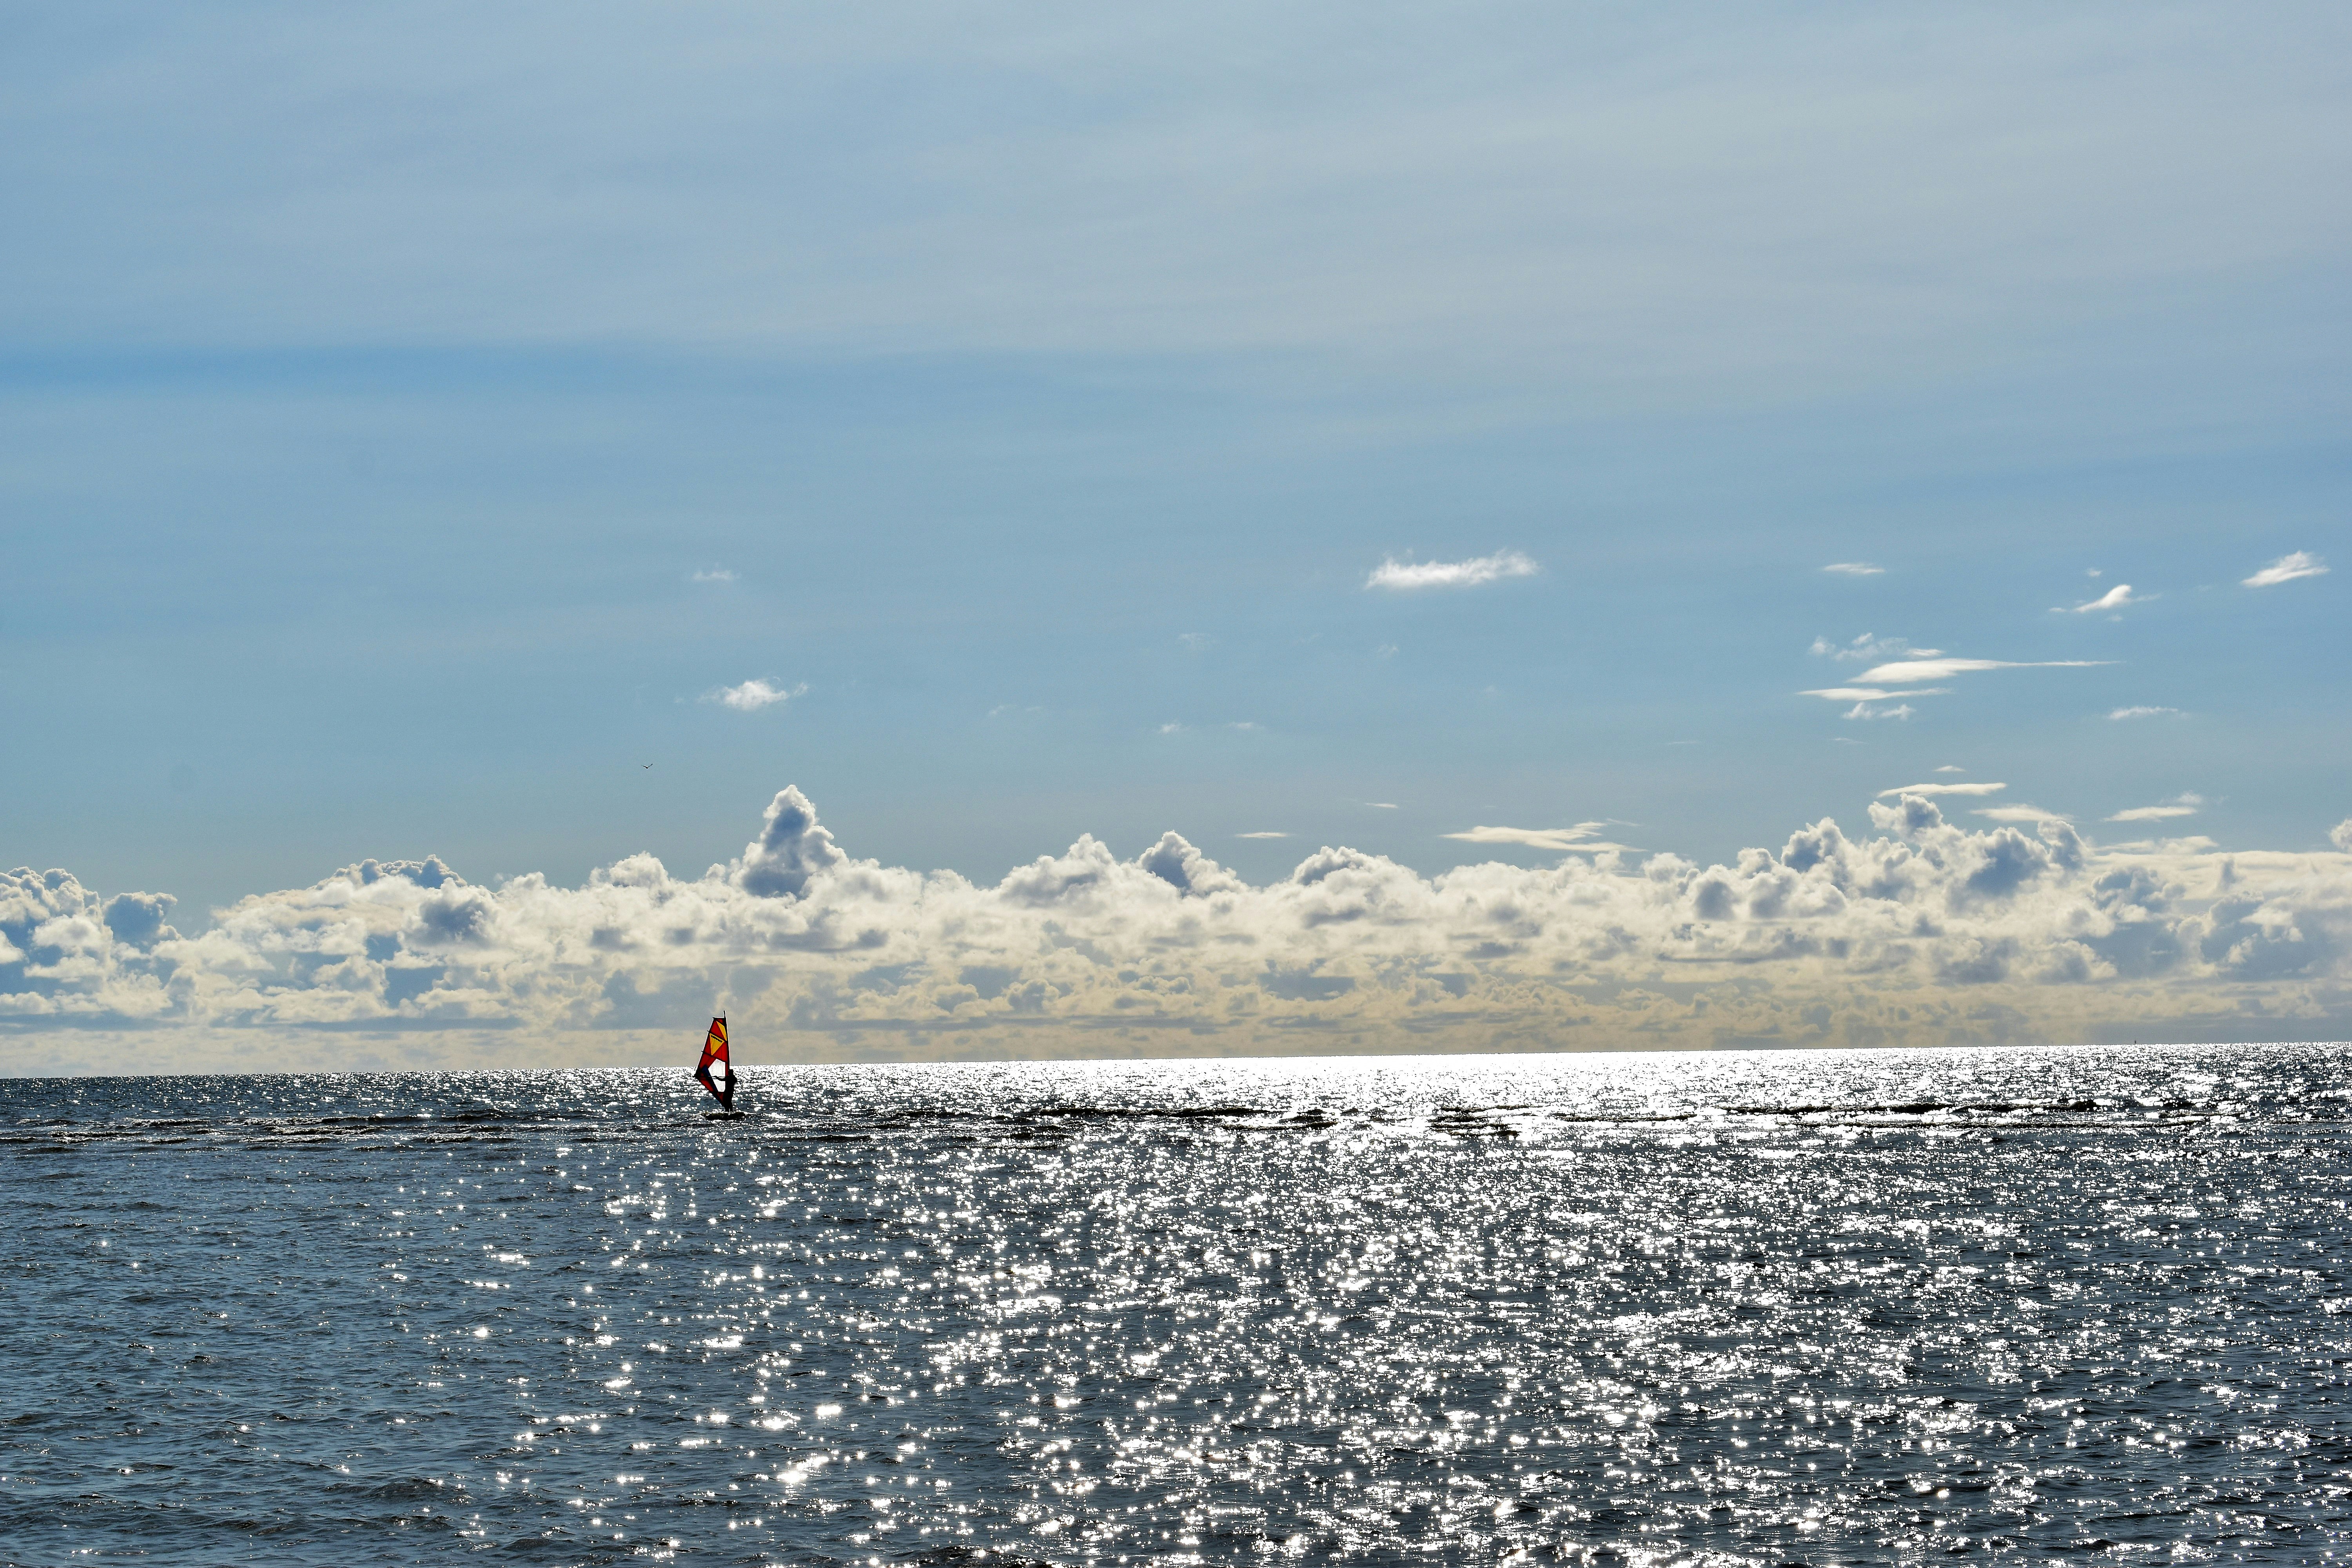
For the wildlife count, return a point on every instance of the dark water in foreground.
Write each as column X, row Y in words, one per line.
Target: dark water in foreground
column 1744, row 1308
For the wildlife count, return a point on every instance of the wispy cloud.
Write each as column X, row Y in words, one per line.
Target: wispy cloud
column 1407, row 574
column 1383, row 806
column 1557, row 839
column 2140, row 713
column 1870, row 694
column 2179, row 806
column 1907, row 671
column 1194, row 642
column 1863, row 697
column 1951, row 768
column 2286, row 569
column 2020, row 814
column 1944, row 789
column 2114, row 598
column 1869, row 647
column 1854, row 569
column 753, row 695
column 713, row 575
column 1261, row 834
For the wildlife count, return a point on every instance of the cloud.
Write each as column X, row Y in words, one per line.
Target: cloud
column 2114, row 598
column 1403, row 575
column 1908, row 670
column 713, row 575
column 1944, row 789
column 753, row 695
column 2341, row 835
column 1951, row 768
column 1854, row 569
column 1557, row 839
column 1383, row 806
column 1261, row 834
column 1916, row 930
column 1900, row 711
column 2140, row 713
column 1869, row 647
column 2179, row 806
column 138, row 918
column 1870, row 694
column 2018, row 814
column 2286, row 569
column 790, row 849
column 1175, row 862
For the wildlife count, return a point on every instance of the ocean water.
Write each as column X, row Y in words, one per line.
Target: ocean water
column 1792, row 1307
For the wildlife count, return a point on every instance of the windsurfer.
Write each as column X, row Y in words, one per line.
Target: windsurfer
column 715, row 1072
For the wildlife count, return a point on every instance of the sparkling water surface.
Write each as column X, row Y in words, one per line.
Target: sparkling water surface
column 1764, row 1309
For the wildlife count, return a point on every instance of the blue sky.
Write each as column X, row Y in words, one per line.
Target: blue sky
column 411, row 421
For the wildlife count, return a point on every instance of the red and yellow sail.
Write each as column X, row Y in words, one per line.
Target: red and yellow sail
column 715, row 1071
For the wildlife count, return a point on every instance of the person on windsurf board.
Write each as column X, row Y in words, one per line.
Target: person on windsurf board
column 714, row 1071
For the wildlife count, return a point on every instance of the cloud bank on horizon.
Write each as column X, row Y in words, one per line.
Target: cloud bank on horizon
column 1923, row 931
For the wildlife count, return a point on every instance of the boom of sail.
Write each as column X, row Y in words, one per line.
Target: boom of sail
column 715, row 1073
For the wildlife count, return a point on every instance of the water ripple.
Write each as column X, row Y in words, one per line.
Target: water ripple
column 1800, row 1308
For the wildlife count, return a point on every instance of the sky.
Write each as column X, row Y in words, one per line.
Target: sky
column 1519, row 463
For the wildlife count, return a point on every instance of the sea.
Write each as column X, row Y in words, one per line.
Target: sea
column 1745, row 1307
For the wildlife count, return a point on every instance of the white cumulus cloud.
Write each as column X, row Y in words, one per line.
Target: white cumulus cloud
column 1407, row 574
column 2286, row 569
column 753, row 695
column 1916, row 930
